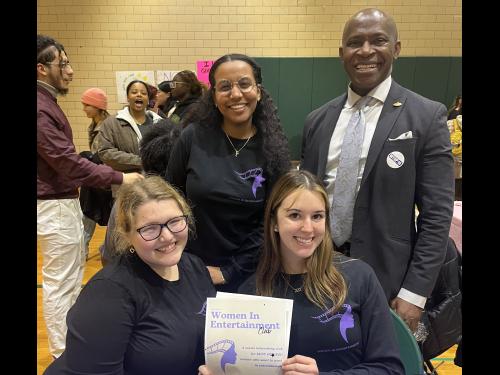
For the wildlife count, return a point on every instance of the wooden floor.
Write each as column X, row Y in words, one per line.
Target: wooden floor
column 94, row 264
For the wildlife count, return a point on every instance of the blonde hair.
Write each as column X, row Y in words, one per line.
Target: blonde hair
column 132, row 196
column 323, row 282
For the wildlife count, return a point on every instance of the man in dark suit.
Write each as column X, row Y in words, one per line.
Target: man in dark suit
column 404, row 160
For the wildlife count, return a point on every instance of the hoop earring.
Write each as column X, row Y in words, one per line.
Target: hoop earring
column 132, row 250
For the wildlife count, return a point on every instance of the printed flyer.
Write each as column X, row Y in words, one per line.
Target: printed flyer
column 246, row 334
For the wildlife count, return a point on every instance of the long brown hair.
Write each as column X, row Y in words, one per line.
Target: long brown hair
column 323, row 282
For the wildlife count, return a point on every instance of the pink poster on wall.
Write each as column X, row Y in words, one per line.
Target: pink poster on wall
column 202, row 69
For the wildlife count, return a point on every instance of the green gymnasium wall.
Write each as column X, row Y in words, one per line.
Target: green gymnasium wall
column 299, row 85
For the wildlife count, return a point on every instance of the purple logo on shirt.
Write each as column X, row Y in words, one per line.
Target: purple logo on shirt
column 256, row 174
column 203, row 310
column 346, row 319
column 226, row 347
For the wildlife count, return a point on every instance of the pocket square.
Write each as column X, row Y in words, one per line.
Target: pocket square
column 407, row 135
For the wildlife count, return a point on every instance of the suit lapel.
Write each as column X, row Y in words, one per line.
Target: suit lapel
column 331, row 118
column 393, row 106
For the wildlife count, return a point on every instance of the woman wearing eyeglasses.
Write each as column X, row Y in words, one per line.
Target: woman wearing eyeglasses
column 226, row 161
column 144, row 313
column 186, row 91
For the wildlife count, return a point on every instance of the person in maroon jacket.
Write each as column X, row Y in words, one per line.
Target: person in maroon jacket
column 60, row 172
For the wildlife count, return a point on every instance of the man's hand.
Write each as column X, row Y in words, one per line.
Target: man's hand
column 408, row 312
column 216, row 275
column 128, row 178
column 300, row 364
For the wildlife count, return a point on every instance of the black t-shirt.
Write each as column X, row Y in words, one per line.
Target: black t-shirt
column 359, row 338
column 129, row 320
column 227, row 194
column 145, row 127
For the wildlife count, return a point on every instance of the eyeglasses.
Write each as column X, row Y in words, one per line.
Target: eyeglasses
column 173, row 84
column 62, row 64
column 245, row 84
column 152, row 231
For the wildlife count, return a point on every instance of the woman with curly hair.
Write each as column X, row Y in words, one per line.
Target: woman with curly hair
column 226, row 162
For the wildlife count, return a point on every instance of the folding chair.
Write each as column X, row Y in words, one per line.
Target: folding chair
column 408, row 347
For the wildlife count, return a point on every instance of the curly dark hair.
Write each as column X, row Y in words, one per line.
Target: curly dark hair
column 265, row 118
column 156, row 146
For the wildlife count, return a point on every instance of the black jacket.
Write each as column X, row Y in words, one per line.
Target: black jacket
column 95, row 203
column 182, row 108
column 443, row 312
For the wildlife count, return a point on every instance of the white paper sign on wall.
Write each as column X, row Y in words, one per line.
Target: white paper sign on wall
column 165, row 75
column 124, row 78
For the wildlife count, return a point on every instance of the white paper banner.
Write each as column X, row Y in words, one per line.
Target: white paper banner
column 124, row 78
column 165, row 75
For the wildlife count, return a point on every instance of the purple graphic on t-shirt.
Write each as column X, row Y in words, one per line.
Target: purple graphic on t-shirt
column 225, row 346
column 203, row 310
column 256, row 174
column 346, row 319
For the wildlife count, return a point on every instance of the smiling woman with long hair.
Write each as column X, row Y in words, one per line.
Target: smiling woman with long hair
column 341, row 322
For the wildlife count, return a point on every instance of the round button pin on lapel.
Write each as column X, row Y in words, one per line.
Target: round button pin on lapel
column 395, row 159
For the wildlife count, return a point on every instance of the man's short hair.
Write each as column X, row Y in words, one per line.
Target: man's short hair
column 45, row 49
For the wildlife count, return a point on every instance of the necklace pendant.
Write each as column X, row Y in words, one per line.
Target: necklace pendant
column 236, row 152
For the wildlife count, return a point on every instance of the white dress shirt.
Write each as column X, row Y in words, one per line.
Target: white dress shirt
column 372, row 113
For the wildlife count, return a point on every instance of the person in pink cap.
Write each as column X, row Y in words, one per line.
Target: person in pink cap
column 95, row 106
column 95, row 203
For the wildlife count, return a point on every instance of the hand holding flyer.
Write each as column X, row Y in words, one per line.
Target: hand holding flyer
column 246, row 334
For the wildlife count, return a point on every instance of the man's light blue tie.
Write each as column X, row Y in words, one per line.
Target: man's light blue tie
column 344, row 191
